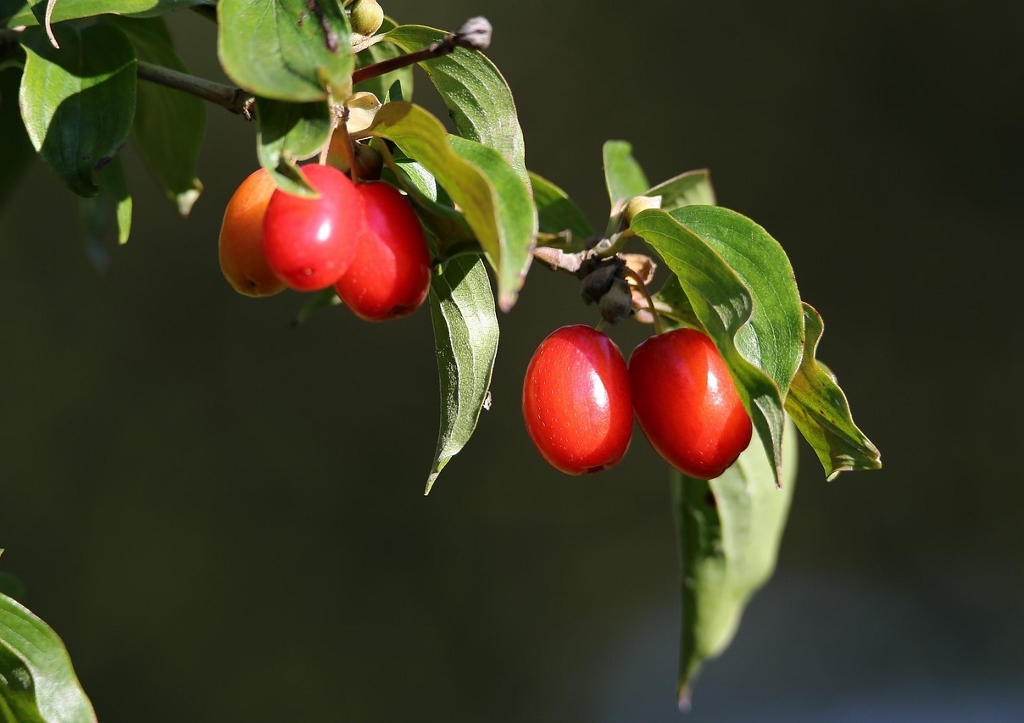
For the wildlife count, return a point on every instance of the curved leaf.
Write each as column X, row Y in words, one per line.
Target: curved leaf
column 37, row 681
column 78, row 102
column 496, row 204
column 692, row 188
column 466, row 335
column 169, row 125
column 20, row 12
column 820, row 410
column 287, row 133
column 288, row 50
column 729, row 533
column 476, row 94
column 740, row 286
column 623, row 176
column 558, row 215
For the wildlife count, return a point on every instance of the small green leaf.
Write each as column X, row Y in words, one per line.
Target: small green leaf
column 476, row 94
column 558, row 215
column 78, row 102
column 692, row 188
column 169, row 125
column 20, row 12
column 466, row 336
column 740, row 286
column 288, row 50
column 16, row 151
column 287, row 133
column 820, row 410
column 729, row 531
column 496, row 204
column 622, row 174
column 37, row 681
column 381, row 85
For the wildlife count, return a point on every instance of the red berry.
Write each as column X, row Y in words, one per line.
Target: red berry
column 240, row 244
column 686, row 403
column 390, row 275
column 576, row 401
column 310, row 242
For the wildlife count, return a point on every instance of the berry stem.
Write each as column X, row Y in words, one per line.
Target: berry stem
column 655, row 317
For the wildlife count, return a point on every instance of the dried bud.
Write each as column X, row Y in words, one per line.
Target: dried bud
column 475, row 34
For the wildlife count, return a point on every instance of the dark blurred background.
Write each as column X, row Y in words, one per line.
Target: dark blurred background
column 223, row 516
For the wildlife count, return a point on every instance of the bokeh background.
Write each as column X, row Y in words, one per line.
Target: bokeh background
column 223, row 516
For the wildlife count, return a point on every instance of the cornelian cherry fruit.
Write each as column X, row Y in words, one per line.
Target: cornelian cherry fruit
column 687, row 404
column 576, row 401
column 310, row 242
column 240, row 244
column 390, row 275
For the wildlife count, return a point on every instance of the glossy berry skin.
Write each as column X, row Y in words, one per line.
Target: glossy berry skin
column 576, row 401
column 240, row 244
column 686, row 403
column 390, row 275
column 310, row 242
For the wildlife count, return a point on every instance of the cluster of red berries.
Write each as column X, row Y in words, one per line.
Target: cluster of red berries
column 361, row 238
column 580, row 396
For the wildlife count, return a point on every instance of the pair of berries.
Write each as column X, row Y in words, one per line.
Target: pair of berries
column 580, row 396
column 363, row 239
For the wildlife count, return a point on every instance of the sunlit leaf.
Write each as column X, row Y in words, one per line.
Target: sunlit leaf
column 692, row 188
column 288, row 50
column 37, row 681
column 78, row 102
column 740, row 286
column 474, row 91
column 729, row 534
column 20, row 12
column 820, row 410
column 558, row 215
column 169, row 125
column 622, row 174
column 466, row 336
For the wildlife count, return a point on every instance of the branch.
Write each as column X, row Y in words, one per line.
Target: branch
column 233, row 99
column 474, row 34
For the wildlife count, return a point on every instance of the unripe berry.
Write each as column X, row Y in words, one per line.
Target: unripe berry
column 366, row 17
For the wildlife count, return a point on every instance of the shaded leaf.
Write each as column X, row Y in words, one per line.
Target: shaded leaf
column 622, row 174
column 692, row 188
column 558, row 215
column 108, row 213
column 450, row 233
column 287, row 50
column 820, row 410
column 37, row 681
column 16, row 151
column 740, row 286
column 20, row 12
column 381, row 85
column 287, row 133
column 466, row 336
column 169, row 125
column 78, row 102
column 729, row 531
column 496, row 205
column 474, row 91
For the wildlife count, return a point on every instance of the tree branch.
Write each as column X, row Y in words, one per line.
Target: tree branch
column 233, row 99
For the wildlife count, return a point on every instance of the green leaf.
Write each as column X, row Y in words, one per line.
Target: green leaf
column 496, row 204
column 20, row 12
column 287, row 133
column 382, row 84
column 283, row 49
column 37, row 681
column 692, row 188
column 169, row 125
column 16, row 151
column 558, row 215
column 740, row 286
column 466, row 335
column 820, row 410
column 108, row 213
column 78, row 102
column 450, row 232
column 622, row 174
column 476, row 94
column 729, row 533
